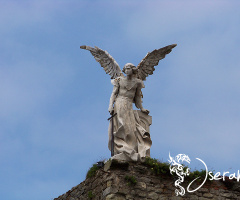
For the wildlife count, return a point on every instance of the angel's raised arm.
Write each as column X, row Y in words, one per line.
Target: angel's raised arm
column 146, row 66
column 106, row 61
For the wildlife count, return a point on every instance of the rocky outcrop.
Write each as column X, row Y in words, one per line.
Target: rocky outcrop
column 133, row 181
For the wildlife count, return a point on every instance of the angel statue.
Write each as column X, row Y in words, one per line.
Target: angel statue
column 129, row 140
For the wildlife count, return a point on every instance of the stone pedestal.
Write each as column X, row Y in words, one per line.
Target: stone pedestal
column 135, row 181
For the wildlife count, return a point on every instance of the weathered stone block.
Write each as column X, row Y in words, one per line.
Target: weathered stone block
column 208, row 195
column 153, row 195
column 115, row 197
column 109, row 190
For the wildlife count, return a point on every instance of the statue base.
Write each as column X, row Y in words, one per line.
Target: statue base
column 136, row 181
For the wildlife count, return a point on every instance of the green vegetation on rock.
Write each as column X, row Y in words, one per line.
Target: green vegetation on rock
column 156, row 166
column 131, row 180
column 92, row 171
column 90, row 195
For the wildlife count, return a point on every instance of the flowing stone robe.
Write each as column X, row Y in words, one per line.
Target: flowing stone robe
column 131, row 140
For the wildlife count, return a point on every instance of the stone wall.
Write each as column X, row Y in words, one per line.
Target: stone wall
column 135, row 181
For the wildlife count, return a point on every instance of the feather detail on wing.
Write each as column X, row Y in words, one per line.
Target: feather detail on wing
column 106, row 61
column 146, row 66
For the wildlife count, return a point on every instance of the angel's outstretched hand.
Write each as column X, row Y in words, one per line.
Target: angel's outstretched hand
column 145, row 111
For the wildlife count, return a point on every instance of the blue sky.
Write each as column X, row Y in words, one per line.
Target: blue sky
column 54, row 96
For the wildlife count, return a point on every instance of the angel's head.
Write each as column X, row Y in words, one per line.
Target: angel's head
column 129, row 69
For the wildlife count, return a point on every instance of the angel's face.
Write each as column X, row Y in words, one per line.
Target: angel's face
column 128, row 70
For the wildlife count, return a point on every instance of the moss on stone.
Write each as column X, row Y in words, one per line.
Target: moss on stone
column 131, row 180
column 92, row 171
column 156, row 166
column 90, row 195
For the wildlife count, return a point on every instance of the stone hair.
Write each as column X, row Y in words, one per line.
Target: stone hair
column 134, row 68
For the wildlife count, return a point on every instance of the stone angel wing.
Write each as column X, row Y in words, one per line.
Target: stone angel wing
column 106, row 61
column 146, row 66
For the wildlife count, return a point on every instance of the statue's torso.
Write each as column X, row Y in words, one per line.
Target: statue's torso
column 127, row 88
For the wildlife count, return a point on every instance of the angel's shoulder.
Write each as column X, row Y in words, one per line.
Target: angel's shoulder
column 116, row 81
column 138, row 80
column 140, row 83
